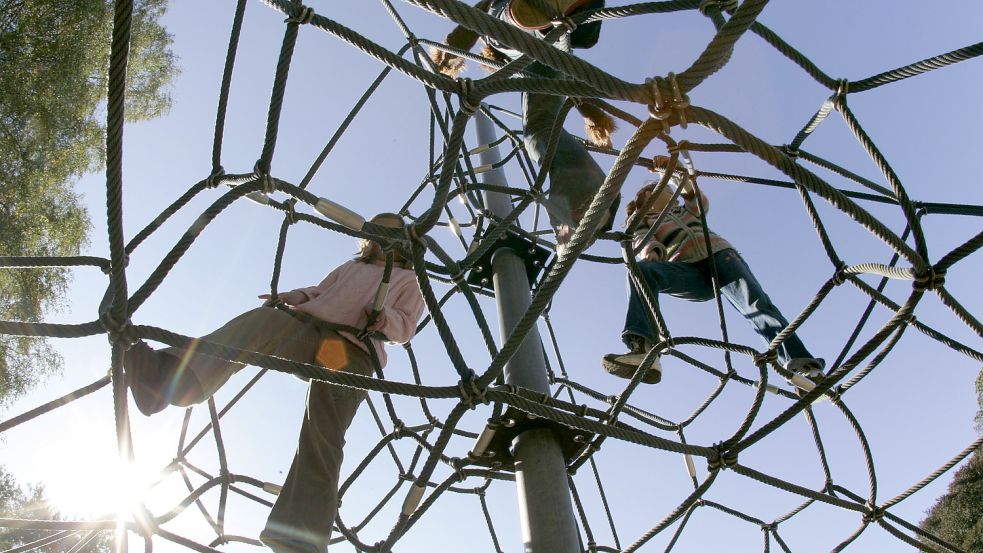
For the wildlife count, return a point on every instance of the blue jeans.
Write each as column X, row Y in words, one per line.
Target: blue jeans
column 692, row 281
column 574, row 175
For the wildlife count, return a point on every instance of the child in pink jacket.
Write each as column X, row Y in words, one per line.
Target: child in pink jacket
column 304, row 513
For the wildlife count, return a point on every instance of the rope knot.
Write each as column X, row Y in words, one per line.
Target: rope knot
column 791, row 152
column 470, row 392
column 720, row 5
column 721, row 458
column 873, row 513
column 681, row 146
column 842, row 87
column 213, row 180
column 762, row 359
column 413, row 235
column 398, row 428
column 119, row 331
column 662, row 109
column 931, row 279
column 304, row 17
column 458, row 465
column 467, row 87
column 291, row 213
column 840, row 276
column 262, row 174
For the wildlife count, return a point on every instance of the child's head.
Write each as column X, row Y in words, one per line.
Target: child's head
column 369, row 250
column 643, row 195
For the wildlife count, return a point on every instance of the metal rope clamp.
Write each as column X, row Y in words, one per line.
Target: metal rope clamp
column 533, row 256
column 493, row 447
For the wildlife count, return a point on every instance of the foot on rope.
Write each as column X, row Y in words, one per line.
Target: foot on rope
column 807, row 372
column 150, row 374
column 527, row 15
column 625, row 365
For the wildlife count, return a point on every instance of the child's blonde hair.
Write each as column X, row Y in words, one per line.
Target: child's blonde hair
column 369, row 250
column 642, row 196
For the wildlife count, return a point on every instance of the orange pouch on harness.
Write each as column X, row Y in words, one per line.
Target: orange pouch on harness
column 332, row 353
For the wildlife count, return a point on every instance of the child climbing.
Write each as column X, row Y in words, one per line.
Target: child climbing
column 574, row 175
column 675, row 261
column 304, row 513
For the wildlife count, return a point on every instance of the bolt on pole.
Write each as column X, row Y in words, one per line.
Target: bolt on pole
column 545, row 507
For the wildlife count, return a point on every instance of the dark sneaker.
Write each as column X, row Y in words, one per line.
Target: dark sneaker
column 150, row 375
column 527, row 15
column 626, row 365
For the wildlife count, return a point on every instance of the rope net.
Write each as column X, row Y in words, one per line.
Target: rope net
column 436, row 457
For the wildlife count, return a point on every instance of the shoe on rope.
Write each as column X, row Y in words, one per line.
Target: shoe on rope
column 807, row 372
column 527, row 15
column 150, row 375
column 625, row 365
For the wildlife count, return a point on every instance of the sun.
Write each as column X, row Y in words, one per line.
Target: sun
column 99, row 485
column 93, row 481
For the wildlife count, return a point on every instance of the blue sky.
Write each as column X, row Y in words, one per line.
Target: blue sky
column 916, row 408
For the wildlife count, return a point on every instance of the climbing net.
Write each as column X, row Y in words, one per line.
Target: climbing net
column 462, row 452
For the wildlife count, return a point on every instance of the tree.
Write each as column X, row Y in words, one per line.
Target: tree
column 957, row 516
column 55, row 58
column 30, row 503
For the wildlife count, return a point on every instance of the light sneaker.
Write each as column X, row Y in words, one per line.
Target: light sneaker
column 806, row 373
column 527, row 15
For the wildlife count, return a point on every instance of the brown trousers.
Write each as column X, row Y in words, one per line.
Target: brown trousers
column 303, row 515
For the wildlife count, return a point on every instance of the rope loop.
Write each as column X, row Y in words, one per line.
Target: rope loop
column 305, row 16
column 213, row 180
column 657, row 109
column 680, row 101
column 842, row 87
column 931, row 279
column 467, row 87
column 792, row 153
column 119, row 331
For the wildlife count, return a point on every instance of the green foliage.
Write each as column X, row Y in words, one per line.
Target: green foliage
column 979, row 399
column 30, row 503
column 55, row 58
column 957, row 516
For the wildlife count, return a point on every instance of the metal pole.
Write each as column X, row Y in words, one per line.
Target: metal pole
column 545, row 508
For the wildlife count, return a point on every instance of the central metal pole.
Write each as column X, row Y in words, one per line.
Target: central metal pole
column 545, row 508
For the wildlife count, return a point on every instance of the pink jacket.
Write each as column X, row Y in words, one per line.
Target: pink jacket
column 345, row 296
